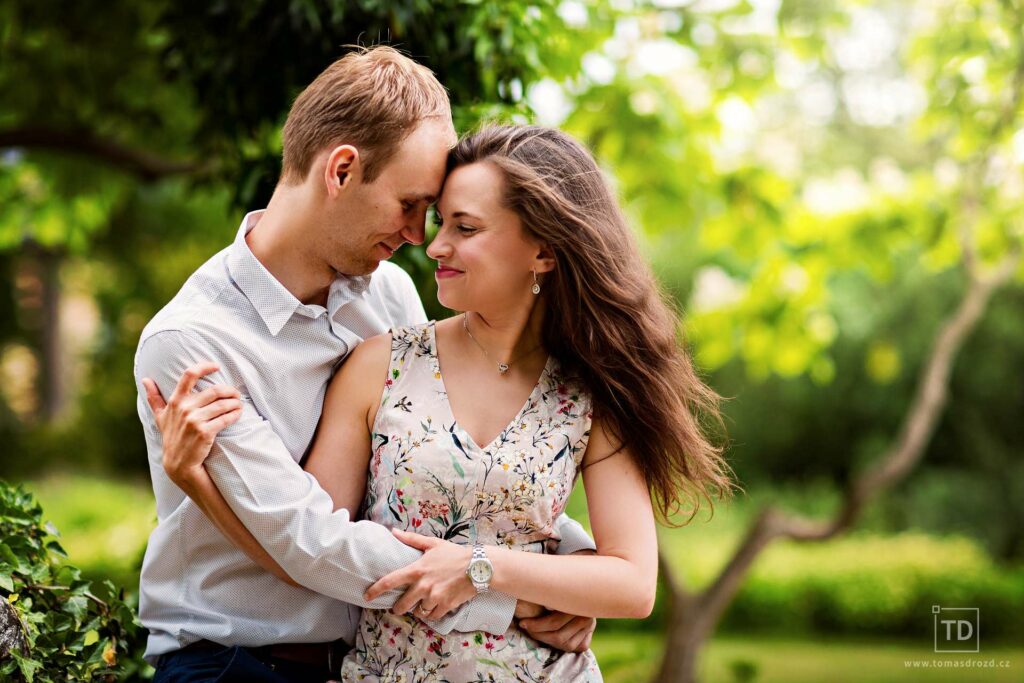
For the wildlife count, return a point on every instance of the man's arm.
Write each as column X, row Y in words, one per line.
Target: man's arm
column 287, row 511
column 574, row 537
column 212, row 410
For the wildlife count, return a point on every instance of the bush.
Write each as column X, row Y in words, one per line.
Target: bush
column 59, row 628
column 874, row 585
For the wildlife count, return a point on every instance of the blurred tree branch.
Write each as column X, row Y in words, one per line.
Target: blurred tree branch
column 141, row 164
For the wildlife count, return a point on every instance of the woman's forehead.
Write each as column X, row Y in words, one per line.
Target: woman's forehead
column 476, row 188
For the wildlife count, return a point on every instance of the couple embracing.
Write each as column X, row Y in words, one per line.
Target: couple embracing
column 347, row 491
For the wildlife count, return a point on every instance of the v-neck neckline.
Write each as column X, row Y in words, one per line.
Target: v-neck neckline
column 439, row 378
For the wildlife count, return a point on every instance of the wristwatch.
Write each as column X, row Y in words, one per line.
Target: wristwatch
column 480, row 569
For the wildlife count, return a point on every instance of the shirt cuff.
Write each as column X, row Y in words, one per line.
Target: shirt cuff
column 573, row 538
column 491, row 612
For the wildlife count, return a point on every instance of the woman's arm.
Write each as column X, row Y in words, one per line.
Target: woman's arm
column 340, row 456
column 189, row 423
column 619, row 582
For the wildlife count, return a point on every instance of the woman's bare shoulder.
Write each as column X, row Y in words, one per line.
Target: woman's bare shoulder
column 364, row 370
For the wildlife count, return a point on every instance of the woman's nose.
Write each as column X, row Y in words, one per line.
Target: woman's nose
column 438, row 247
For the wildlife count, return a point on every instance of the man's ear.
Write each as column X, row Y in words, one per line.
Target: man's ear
column 342, row 168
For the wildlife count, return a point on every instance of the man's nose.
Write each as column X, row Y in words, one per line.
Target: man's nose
column 415, row 231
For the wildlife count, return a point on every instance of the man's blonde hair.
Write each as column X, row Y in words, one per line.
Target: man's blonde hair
column 372, row 98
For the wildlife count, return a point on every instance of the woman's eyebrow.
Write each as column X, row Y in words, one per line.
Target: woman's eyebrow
column 464, row 214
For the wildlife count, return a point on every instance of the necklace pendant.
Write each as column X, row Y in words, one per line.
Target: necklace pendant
column 503, row 368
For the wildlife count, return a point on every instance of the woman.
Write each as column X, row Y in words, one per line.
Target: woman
column 473, row 429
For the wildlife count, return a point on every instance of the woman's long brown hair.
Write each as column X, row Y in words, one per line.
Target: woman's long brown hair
column 606, row 319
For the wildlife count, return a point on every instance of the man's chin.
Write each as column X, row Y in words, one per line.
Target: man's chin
column 358, row 269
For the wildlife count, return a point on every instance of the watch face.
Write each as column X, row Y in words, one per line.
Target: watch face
column 480, row 571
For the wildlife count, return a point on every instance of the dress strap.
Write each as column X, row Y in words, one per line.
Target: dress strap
column 411, row 347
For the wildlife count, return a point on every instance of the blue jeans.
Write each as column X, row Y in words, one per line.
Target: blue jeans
column 232, row 665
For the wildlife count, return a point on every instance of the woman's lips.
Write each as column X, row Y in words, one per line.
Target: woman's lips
column 446, row 272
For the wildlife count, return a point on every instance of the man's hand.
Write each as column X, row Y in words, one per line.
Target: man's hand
column 436, row 584
column 528, row 610
column 561, row 631
column 188, row 422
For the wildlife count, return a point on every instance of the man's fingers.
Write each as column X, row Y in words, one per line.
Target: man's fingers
column 189, row 378
column 528, row 610
column 153, row 396
column 574, row 642
column 414, row 540
column 552, row 621
column 576, row 638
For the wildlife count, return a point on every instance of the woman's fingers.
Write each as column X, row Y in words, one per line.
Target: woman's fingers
column 409, row 599
column 396, row 579
column 214, row 393
column 153, row 397
column 188, row 380
column 415, row 540
column 203, row 416
column 225, row 420
column 424, row 611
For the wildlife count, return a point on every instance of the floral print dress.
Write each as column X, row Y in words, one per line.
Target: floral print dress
column 428, row 476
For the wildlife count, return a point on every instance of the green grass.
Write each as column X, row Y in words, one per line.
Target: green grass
column 628, row 658
column 103, row 523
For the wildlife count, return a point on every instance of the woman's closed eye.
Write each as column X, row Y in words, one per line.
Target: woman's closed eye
column 461, row 227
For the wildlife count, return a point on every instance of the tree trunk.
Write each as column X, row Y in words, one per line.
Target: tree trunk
column 51, row 385
column 12, row 631
column 694, row 617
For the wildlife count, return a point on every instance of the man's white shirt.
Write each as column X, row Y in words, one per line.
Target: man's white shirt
column 280, row 354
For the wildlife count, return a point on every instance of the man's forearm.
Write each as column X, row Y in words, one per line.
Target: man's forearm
column 322, row 549
column 199, row 487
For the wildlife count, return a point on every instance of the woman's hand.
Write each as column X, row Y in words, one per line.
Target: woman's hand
column 437, row 581
column 188, row 422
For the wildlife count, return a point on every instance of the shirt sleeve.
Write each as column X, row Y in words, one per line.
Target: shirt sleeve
column 289, row 513
column 573, row 536
column 411, row 302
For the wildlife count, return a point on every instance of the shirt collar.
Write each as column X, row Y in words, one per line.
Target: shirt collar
column 272, row 300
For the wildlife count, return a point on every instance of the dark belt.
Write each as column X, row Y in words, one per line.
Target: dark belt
column 325, row 656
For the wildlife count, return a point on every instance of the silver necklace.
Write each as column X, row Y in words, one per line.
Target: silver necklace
column 502, row 367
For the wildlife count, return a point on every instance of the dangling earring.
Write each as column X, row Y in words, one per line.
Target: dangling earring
column 536, row 286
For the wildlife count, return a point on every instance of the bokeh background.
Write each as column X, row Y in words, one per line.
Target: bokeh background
column 820, row 185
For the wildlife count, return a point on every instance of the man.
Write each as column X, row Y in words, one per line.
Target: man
column 304, row 282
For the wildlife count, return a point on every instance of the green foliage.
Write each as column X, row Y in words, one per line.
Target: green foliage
column 872, row 585
column 878, row 581
column 72, row 634
column 630, row 657
column 106, row 540
column 485, row 53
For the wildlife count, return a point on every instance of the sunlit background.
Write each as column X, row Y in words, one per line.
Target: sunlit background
column 820, row 185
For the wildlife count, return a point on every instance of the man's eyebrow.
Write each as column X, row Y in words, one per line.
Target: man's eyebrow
column 426, row 197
